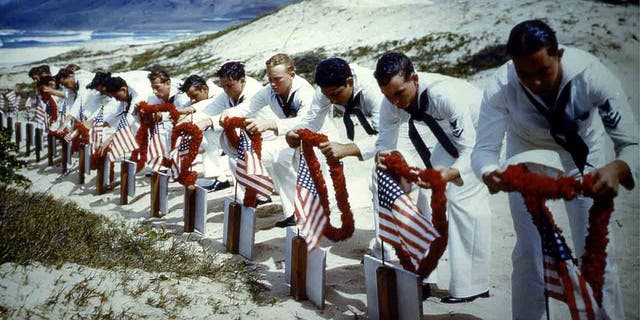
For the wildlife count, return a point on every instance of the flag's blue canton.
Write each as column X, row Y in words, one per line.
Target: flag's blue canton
column 122, row 122
column 388, row 189
column 184, row 144
column 243, row 146
column 553, row 245
column 100, row 116
column 304, row 178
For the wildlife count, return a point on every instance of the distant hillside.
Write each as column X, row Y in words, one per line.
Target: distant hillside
column 128, row 14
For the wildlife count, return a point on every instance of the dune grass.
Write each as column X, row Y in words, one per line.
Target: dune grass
column 52, row 232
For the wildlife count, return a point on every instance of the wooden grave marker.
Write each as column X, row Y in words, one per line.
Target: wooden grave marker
column 195, row 209
column 18, row 133
column 392, row 292
column 10, row 125
column 304, row 271
column 102, row 173
column 51, row 148
column 38, row 144
column 84, row 163
column 29, row 138
column 245, row 229
column 127, row 181
column 159, row 190
column 66, row 154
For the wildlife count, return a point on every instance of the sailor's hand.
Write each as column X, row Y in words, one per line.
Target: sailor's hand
column 293, row 139
column 380, row 159
column 607, row 179
column 494, row 181
column 259, row 125
column 338, row 150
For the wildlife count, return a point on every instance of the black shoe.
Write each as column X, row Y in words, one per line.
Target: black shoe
column 217, row 185
column 260, row 201
column 286, row 222
column 451, row 299
column 220, row 185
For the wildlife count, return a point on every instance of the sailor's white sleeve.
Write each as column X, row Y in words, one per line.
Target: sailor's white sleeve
column 614, row 110
column 214, row 109
column 388, row 129
column 492, row 123
column 314, row 119
column 367, row 145
column 303, row 98
column 250, row 106
column 463, row 133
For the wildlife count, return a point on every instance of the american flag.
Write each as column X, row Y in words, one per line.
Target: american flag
column 309, row 212
column 41, row 114
column 29, row 103
column 95, row 133
column 13, row 101
column 178, row 154
column 401, row 223
column 562, row 278
column 74, row 133
column 71, row 135
column 155, row 149
column 249, row 170
column 123, row 140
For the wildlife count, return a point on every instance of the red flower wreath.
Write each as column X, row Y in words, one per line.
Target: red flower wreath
column 53, row 116
column 398, row 168
column 186, row 176
column 230, row 125
column 82, row 138
column 147, row 120
column 60, row 134
column 310, row 140
column 536, row 189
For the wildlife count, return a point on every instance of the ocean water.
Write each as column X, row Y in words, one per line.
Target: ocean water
column 19, row 47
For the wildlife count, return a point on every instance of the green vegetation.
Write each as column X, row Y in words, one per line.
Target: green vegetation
column 52, row 232
column 9, row 164
column 306, row 62
column 441, row 52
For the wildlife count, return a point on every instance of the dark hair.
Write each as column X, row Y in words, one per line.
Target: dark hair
column 73, row 67
column 332, row 72
column 194, row 81
column 529, row 37
column 33, row 72
column 112, row 85
column 158, row 74
column 43, row 69
column 233, row 70
column 63, row 73
column 45, row 80
column 100, row 78
column 392, row 64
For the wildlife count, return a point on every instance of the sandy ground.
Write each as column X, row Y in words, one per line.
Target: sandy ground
column 30, row 288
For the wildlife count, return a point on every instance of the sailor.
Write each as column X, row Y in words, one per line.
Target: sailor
column 562, row 99
column 448, row 108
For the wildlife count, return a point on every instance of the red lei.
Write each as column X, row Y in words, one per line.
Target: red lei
column 310, row 140
column 536, row 189
column 186, row 176
column 82, row 138
column 60, row 133
column 398, row 168
column 230, row 125
column 147, row 120
column 53, row 117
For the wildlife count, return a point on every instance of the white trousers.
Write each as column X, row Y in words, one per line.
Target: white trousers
column 469, row 217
